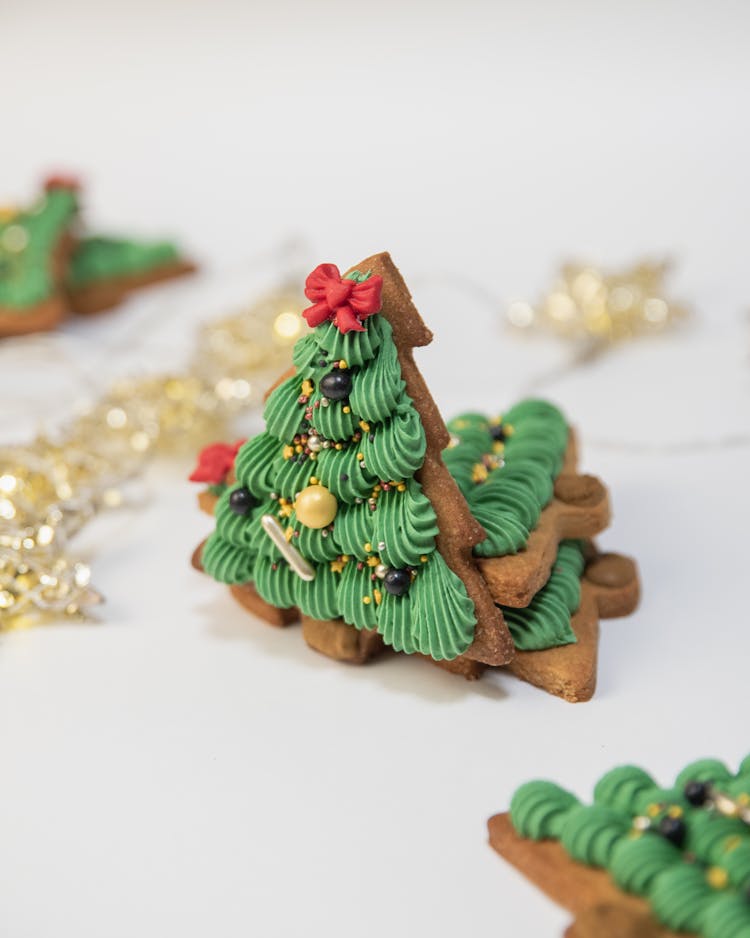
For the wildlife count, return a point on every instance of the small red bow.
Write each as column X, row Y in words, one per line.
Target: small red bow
column 343, row 301
column 215, row 462
column 62, row 181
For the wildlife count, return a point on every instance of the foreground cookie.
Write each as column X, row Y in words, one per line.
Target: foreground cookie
column 358, row 513
column 642, row 860
column 48, row 270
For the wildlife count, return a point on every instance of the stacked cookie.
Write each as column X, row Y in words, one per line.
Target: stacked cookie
column 358, row 512
column 49, row 268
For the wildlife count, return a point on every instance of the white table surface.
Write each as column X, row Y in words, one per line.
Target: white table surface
column 181, row 769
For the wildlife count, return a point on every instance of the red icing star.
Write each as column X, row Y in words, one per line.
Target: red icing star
column 345, row 302
column 215, row 462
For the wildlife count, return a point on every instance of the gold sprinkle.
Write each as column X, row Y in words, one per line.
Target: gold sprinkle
column 314, row 480
column 343, row 364
column 675, row 811
column 368, row 547
column 307, row 388
column 288, row 452
column 652, row 810
column 346, row 409
column 424, row 558
column 289, row 533
column 717, row 877
column 401, row 487
column 364, row 425
column 378, row 596
column 298, row 448
column 373, row 561
column 366, row 600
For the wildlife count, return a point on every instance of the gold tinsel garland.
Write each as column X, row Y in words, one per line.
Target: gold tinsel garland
column 596, row 309
column 50, row 488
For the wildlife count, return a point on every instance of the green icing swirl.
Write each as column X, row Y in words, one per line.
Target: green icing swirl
column 290, row 476
column 727, row 917
column 355, row 348
column 545, row 622
column 342, row 473
column 703, row 770
column 637, row 861
column 397, row 450
column 27, row 274
column 304, row 353
column 224, row 562
column 539, row 809
column 591, row 833
column 356, row 585
column 234, row 528
column 318, row 598
column 394, row 622
column 283, row 412
column 100, row 258
column 679, row 897
column 622, row 787
column 276, row 583
column 406, row 524
column 509, row 501
column 253, row 465
column 377, row 390
column 332, row 422
column 443, row 617
column 737, row 864
column 316, row 544
column 708, row 834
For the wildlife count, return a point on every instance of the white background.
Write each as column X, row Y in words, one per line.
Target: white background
column 180, row 769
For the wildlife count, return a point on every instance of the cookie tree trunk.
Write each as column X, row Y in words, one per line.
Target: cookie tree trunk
column 459, row 532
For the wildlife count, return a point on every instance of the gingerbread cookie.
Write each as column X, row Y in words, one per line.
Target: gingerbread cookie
column 358, row 513
column 343, row 507
column 35, row 247
column 104, row 270
column 642, row 860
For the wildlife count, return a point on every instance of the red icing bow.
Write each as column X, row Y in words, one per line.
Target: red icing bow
column 62, row 181
column 345, row 302
column 215, row 462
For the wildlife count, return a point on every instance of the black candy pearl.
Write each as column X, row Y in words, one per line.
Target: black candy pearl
column 397, row 582
column 241, row 501
column 498, row 433
column 697, row 793
column 672, row 829
column 336, row 385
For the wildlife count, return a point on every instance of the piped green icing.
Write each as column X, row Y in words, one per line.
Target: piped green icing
column 101, row 258
column 28, row 242
column 636, row 861
column 622, row 787
column 369, row 448
column 545, row 622
column 540, row 809
column 590, row 833
column 507, row 483
column 696, row 884
column 679, row 897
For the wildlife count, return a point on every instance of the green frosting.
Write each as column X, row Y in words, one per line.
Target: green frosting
column 101, row 258
column 699, row 886
column 623, row 787
column 369, row 448
column 28, row 242
column 545, row 622
column 539, row 810
column 508, row 483
column 679, row 897
column 727, row 917
column 590, row 833
column 637, row 861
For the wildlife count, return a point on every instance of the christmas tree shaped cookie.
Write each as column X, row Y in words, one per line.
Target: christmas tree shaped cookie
column 49, row 269
column 35, row 246
column 343, row 508
column 642, row 861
